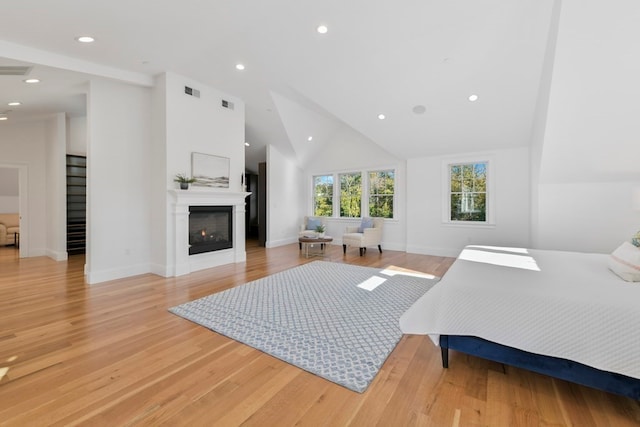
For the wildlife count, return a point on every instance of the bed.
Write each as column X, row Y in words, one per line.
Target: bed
column 564, row 314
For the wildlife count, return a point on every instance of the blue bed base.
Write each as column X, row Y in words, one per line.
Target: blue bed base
column 558, row 368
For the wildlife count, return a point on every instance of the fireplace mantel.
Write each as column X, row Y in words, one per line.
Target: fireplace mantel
column 189, row 197
column 182, row 199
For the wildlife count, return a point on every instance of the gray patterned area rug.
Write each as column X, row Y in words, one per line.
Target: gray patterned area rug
column 316, row 317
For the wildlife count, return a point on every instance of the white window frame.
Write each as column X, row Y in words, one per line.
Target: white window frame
column 367, row 189
column 339, row 193
column 313, row 194
column 446, row 191
column 364, row 202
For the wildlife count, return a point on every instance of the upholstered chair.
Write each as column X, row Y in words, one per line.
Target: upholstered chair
column 369, row 233
column 308, row 226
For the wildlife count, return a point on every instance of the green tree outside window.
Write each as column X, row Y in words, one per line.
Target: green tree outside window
column 323, row 195
column 381, row 193
column 350, row 194
column 468, row 192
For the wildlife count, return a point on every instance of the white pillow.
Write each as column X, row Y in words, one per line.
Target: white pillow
column 625, row 262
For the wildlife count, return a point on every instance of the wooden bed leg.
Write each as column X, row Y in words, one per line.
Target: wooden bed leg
column 445, row 357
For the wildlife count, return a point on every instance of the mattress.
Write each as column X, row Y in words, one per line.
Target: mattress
column 561, row 304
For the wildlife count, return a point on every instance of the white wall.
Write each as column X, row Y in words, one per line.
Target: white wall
column 77, row 136
column 593, row 217
column 9, row 204
column 426, row 232
column 118, row 180
column 540, row 120
column 350, row 151
column 24, row 145
column 9, row 200
column 185, row 124
column 589, row 161
column 285, row 192
column 202, row 125
column 56, row 222
column 159, row 219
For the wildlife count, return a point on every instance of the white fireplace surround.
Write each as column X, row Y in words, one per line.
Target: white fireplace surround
column 182, row 199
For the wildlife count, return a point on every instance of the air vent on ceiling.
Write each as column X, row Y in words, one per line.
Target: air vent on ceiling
column 227, row 104
column 14, row 70
column 192, row 92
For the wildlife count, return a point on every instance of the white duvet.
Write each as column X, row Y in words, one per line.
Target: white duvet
column 562, row 304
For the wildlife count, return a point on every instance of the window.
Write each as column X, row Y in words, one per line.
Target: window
column 357, row 194
column 467, row 192
column 350, row 194
column 323, row 195
column 381, row 193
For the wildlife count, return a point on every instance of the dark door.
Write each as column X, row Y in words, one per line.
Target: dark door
column 262, row 204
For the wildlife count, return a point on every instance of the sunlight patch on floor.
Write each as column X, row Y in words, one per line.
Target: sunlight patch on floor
column 372, row 282
column 515, row 260
column 392, row 270
column 5, row 369
column 456, row 418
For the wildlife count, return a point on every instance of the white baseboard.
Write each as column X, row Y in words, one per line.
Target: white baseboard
column 197, row 264
column 161, row 270
column 281, row 242
column 37, row 252
column 336, row 241
column 94, row 277
column 57, row 256
column 393, row 247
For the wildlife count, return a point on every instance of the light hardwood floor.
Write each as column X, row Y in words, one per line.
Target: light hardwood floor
column 111, row 354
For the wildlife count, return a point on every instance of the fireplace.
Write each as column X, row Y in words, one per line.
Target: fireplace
column 181, row 260
column 210, row 228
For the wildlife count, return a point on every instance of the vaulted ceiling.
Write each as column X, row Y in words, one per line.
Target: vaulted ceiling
column 415, row 61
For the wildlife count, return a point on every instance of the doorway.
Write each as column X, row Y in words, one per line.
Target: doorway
column 256, row 207
column 13, row 201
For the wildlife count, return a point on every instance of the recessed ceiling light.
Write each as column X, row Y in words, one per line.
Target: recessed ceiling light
column 240, row 67
column 85, row 39
column 310, row 139
column 382, row 116
column 31, row 81
column 246, row 144
column 419, row 109
column 4, row 118
column 322, row 29
column 473, row 98
column 14, row 103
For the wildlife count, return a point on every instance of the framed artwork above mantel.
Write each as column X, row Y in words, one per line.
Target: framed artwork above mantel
column 209, row 170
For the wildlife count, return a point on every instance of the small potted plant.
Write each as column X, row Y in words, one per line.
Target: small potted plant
column 184, row 180
column 320, row 230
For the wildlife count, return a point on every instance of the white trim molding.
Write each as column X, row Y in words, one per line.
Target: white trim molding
column 183, row 263
column 490, row 203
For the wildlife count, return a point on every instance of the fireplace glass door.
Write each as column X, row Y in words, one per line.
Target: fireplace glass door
column 210, row 228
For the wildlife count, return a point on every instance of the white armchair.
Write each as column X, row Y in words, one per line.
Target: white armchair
column 363, row 237
column 308, row 227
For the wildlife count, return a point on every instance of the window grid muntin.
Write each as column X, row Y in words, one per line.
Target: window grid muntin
column 468, row 194
column 323, row 199
column 364, row 192
column 350, row 194
column 378, row 191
